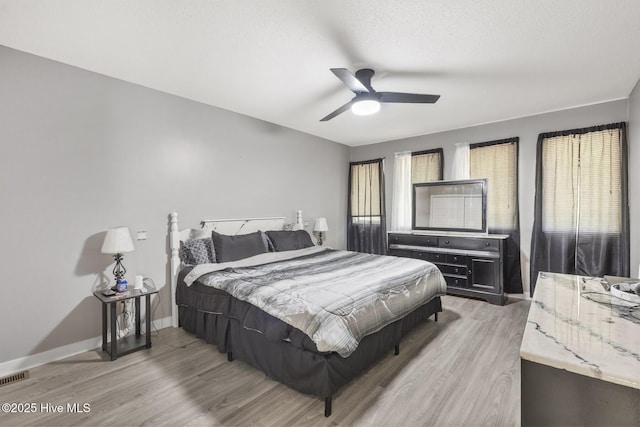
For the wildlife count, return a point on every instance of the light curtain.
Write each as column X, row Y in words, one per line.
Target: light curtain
column 497, row 161
column 426, row 166
column 401, row 203
column 582, row 207
column 412, row 168
column 460, row 169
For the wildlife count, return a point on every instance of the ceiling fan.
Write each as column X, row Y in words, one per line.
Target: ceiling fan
column 367, row 100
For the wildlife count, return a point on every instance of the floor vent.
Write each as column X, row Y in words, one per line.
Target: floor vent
column 14, row 378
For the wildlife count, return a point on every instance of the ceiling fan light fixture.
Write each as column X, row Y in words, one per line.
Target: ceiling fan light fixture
column 366, row 107
column 367, row 100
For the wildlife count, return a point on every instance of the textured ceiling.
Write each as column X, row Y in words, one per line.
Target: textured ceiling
column 270, row 59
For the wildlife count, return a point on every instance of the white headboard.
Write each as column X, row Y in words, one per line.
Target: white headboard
column 223, row 226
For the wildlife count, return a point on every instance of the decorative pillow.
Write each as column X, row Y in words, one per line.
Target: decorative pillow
column 198, row 251
column 232, row 248
column 289, row 240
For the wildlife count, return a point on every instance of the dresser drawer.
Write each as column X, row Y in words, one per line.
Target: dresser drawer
column 470, row 243
column 457, row 259
column 433, row 257
column 456, row 282
column 459, row 270
column 413, row 239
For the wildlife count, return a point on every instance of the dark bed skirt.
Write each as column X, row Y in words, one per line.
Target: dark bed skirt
column 317, row 374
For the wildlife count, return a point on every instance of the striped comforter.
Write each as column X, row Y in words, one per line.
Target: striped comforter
column 335, row 297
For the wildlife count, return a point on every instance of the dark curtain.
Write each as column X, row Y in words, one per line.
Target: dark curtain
column 366, row 222
column 493, row 166
column 512, row 269
column 582, row 250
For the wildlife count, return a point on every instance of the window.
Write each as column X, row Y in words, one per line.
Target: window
column 426, row 166
column 581, row 182
column 412, row 168
column 365, row 192
column 581, row 212
column 497, row 161
column 366, row 225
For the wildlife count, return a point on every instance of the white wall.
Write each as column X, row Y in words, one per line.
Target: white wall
column 81, row 152
column 527, row 129
column 634, row 178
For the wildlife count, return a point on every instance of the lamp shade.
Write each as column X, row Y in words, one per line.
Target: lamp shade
column 365, row 107
column 320, row 225
column 117, row 241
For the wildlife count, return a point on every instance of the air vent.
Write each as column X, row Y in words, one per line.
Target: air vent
column 14, row 378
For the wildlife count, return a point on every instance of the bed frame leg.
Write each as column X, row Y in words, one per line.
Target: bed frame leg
column 397, row 349
column 230, row 357
column 327, row 406
column 436, row 316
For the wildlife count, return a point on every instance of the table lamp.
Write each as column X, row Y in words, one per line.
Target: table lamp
column 320, row 227
column 116, row 242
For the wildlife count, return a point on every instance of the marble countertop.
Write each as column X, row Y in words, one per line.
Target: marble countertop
column 576, row 325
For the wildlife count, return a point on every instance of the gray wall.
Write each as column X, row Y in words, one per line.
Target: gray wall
column 634, row 178
column 527, row 129
column 82, row 152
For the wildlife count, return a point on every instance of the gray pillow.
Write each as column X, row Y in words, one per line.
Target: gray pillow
column 198, row 251
column 233, row 248
column 289, row 240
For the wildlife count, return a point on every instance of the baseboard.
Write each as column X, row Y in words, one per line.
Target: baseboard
column 165, row 322
column 33, row 360
column 524, row 296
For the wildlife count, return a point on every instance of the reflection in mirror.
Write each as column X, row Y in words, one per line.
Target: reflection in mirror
column 450, row 206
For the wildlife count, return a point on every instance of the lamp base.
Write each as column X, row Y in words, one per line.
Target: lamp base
column 119, row 270
column 122, row 286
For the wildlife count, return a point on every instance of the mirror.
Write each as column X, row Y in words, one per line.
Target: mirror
column 450, row 206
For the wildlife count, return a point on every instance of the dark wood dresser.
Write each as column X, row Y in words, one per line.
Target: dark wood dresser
column 472, row 265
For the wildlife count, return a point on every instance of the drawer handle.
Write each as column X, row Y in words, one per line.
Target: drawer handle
column 456, row 282
column 446, row 242
column 457, row 270
column 487, row 244
column 455, row 258
column 469, row 272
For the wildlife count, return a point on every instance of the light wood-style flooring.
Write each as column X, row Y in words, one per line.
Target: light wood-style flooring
column 463, row 370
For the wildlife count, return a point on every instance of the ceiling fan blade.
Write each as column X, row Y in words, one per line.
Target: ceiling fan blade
column 340, row 110
column 409, row 98
column 349, row 80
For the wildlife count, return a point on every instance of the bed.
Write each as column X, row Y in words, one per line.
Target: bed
column 310, row 317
